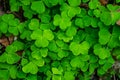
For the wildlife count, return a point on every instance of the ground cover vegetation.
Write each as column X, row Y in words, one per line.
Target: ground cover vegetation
column 59, row 39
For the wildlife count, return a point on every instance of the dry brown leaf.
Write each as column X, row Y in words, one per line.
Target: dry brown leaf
column 5, row 41
column 103, row 2
column 118, row 22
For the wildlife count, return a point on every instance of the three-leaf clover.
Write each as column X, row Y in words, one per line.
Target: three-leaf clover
column 38, row 6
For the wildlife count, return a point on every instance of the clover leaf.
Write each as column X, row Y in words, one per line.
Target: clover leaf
column 94, row 4
column 74, row 3
column 12, row 58
column 3, row 27
column 48, row 34
column 44, row 52
column 106, row 18
column 69, row 75
column 30, row 68
column 40, row 62
column 36, row 34
column 56, row 71
column 38, row 6
column 71, row 31
column 84, row 47
column 34, row 24
column 7, row 17
column 13, row 72
column 74, row 47
column 104, row 36
column 79, row 22
column 80, row 63
column 41, row 42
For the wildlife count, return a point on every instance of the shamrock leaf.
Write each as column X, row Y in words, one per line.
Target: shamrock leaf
column 30, row 68
column 25, row 2
column 74, row 47
column 77, row 62
column 13, row 72
column 79, row 22
column 48, row 34
column 40, row 62
column 69, row 75
column 41, row 42
column 104, row 36
column 56, row 71
column 84, row 47
column 4, row 74
column 34, row 24
column 7, row 17
column 106, row 18
column 38, row 6
column 13, row 30
column 56, row 77
column 71, row 31
column 12, row 58
column 74, row 3
column 3, row 27
column 36, row 34
column 36, row 54
column 44, row 52
column 94, row 4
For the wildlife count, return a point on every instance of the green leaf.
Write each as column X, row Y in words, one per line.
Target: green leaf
column 106, row 18
column 48, row 34
column 62, row 53
column 53, row 2
column 56, row 77
column 74, row 47
column 30, row 68
column 104, row 36
column 52, row 46
column 93, row 4
column 102, row 53
column 38, row 6
column 12, row 58
column 14, row 22
column 40, row 62
column 7, row 17
column 3, row 27
column 24, row 61
column 21, row 74
column 73, row 11
column 32, row 77
column 117, row 1
column 79, row 22
column 74, row 3
column 25, row 2
column 13, row 72
column 36, row 54
column 34, row 24
column 3, row 57
column 69, row 75
column 41, row 42
column 57, row 19
column 87, row 20
column 56, row 71
column 11, row 49
column 19, row 45
column 77, row 62
column 44, row 52
column 97, row 13
column 13, row 30
column 36, row 34
column 71, row 31
column 84, row 47
column 4, row 74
